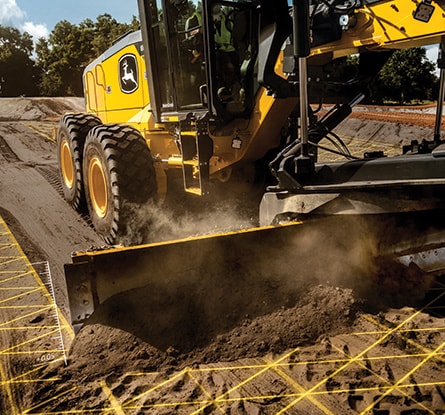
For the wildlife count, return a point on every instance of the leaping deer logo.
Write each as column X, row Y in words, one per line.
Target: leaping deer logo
column 128, row 73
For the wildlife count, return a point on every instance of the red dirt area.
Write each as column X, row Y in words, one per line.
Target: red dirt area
column 422, row 116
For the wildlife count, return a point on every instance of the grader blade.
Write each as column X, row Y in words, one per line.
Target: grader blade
column 217, row 266
column 195, row 281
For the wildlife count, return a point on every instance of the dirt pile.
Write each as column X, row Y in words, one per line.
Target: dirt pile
column 39, row 109
column 103, row 352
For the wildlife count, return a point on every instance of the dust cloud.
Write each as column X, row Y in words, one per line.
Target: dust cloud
column 156, row 223
column 209, row 284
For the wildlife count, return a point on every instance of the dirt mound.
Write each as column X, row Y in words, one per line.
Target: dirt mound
column 39, row 109
column 103, row 352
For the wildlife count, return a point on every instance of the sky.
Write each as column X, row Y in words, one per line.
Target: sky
column 38, row 17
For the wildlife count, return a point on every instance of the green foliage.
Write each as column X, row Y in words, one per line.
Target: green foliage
column 54, row 66
column 70, row 48
column 18, row 74
column 408, row 76
column 405, row 76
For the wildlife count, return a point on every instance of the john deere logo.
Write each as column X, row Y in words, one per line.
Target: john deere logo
column 128, row 73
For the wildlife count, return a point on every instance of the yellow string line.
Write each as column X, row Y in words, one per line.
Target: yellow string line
column 7, row 351
column 222, row 397
column 377, row 388
column 115, row 405
column 381, row 378
column 204, row 391
column 353, row 360
column 424, row 349
column 301, row 389
column 30, row 410
column 9, row 393
column 21, row 295
column 403, row 378
column 40, row 310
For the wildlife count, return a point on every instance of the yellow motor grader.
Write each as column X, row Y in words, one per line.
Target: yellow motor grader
column 215, row 93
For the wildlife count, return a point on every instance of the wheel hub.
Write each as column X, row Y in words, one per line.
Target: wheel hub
column 98, row 187
column 67, row 165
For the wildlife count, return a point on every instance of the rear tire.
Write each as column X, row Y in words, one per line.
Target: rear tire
column 119, row 179
column 72, row 132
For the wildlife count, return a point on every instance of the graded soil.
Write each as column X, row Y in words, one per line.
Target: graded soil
column 338, row 344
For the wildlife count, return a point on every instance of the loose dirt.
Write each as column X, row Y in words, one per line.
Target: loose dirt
column 336, row 346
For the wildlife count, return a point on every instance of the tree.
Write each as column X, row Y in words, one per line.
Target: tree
column 70, row 48
column 107, row 30
column 62, row 58
column 18, row 74
column 407, row 76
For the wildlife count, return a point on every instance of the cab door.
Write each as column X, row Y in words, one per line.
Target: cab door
column 176, row 65
column 187, row 69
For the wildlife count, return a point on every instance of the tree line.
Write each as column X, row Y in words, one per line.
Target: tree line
column 54, row 66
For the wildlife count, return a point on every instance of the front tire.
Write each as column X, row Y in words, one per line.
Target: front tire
column 71, row 135
column 119, row 179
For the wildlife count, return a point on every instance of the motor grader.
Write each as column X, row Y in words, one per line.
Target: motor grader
column 220, row 92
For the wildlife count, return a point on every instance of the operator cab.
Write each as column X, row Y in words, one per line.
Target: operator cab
column 201, row 56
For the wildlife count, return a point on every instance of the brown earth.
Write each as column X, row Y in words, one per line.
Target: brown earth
column 338, row 346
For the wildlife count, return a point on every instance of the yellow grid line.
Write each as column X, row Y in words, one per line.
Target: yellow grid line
column 17, row 378
column 29, row 410
column 70, row 331
column 424, row 349
column 7, row 351
column 16, row 276
column 158, row 386
column 275, row 366
column 377, row 388
column 115, row 405
column 203, row 390
column 354, row 359
column 34, row 290
column 15, row 288
column 26, row 315
column 301, row 389
column 36, row 327
column 223, row 397
column 382, row 379
column 37, row 131
column 9, row 277
column 9, row 393
column 403, row 378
